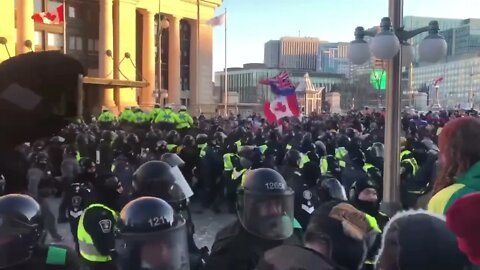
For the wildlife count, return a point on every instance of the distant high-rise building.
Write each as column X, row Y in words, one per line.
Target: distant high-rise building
column 414, row 22
column 272, row 53
column 333, row 58
column 464, row 39
column 292, row 53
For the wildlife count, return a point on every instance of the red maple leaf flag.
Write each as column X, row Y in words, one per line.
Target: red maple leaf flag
column 281, row 106
column 56, row 17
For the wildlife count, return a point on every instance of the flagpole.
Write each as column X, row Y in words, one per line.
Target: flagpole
column 64, row 28
column 159, row 54
column 197, row 58
column 225, row 98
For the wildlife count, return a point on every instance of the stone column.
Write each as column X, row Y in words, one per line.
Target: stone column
column 207, row 102
column 25, row 25
column 193, row 105
column 7, row 22
column 127, row 37
column 174, row 61
column 148, row 59
column 105, row 43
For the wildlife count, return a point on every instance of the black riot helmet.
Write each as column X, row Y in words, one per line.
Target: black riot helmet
column 161, row 146
column 41, row 158
column 363, row 194
column 107, row 136
column 87, row 165
column 158, row 179
column 293, row 158
column 20, row 229
column 219, row 138
column 320, row 148
column 38, row 145
column 132, row 139
column 331, row 189
column 265, row 205
column 173, row 137
column 343, row 141
column 250, row 157
column 188, row 140
column 201, row 138
column 152, row 236
column 376, row 151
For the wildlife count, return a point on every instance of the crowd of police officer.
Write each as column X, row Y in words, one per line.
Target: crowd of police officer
column 128, row 184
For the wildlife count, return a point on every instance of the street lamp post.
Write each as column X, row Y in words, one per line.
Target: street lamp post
column 161, row 24
column 391, row 44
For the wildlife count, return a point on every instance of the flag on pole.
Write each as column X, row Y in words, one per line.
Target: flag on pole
column 55, row 17
column 216, row 21
column 437, row 81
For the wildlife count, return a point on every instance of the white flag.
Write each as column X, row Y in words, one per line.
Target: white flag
column 216, row 21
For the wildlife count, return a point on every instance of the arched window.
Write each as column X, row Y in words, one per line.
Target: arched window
column 185, row 38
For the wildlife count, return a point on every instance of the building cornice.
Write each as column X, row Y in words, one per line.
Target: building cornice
column 131, row 2
column 206, row 3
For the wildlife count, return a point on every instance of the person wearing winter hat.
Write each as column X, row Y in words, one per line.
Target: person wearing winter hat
column 464, row 222
column 337, row 237
column 460, row 163
column 419, row 240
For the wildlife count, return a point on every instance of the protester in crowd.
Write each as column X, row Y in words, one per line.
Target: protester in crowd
column 419, row 240
column 464, row 222
column 459, row 156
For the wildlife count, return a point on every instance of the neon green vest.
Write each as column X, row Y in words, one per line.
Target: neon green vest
column 323, row 165
column 183, row 122
column 367, row 167
column 85, row 242
column 227, row 162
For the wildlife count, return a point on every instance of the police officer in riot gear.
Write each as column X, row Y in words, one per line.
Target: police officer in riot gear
column 21, row 233
column 88, row 172
column 306, row 198
column 265, row 220
column 163, row 179
column 96, row 227
column 78, row 196
column 151, row 236
column 330, row 189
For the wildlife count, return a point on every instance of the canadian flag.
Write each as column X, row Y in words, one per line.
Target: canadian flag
column 219, row 20
column 56, row 17
column 281, row 106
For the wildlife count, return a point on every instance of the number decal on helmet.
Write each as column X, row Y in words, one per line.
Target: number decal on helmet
column 275, row 186
column 155, row 221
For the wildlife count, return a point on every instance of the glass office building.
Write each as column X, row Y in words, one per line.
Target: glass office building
column 460, row 85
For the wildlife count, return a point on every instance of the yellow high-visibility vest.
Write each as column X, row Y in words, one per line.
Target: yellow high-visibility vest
column 85, row 242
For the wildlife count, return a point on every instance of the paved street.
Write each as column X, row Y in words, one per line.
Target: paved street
column 206, row 226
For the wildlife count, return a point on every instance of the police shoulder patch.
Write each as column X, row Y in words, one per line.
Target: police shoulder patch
column 307, row 195
column 105, row 225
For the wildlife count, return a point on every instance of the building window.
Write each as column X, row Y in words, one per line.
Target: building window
column 53, row 4
column 38, row 6
column 71, row 12
column 39, row 39
column 75, row 43
column 79, row 43
column 90, row 45
column 185, row 38
column 54, row 40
